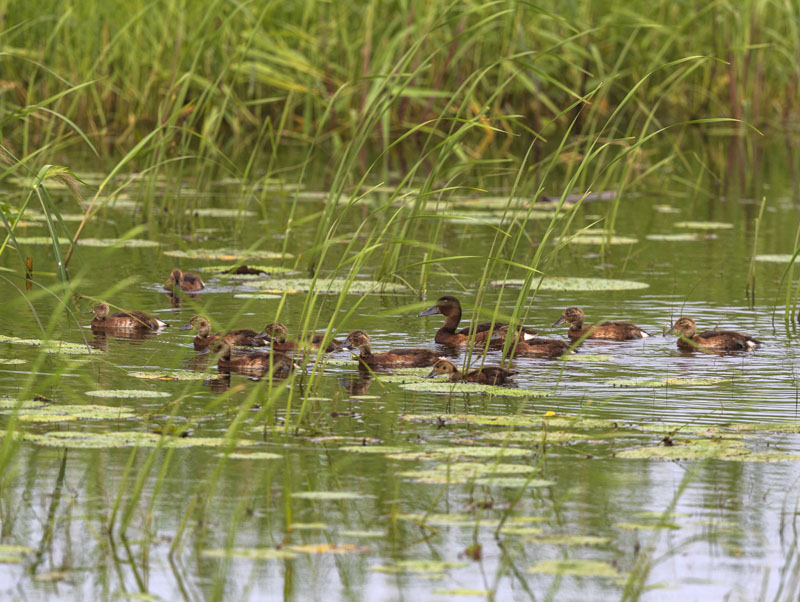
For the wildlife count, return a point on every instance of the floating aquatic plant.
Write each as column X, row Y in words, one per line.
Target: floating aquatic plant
column 533, row 437
column 586, row 357
column 328, row 495
column 11, row 361
column 418, row 566
column 220, row 212
column 667, row 382
column 767, row 258
column 680, row 237
column 704, row 225
column 430, row 386
column 445, row 453
column 330, row 548
column 505, row 420
column 90, row 440
column 127, row 393
column 180, row 375
column 12, row 554
column 226, row 254
column 693, row 449
column 251, row 455
column 590, row 238
column 331, row 285
column 574, row 568
column 647, row 526
column 256, row 296
column 252, row 553
column 224, row 270
column 373, row 449
column 61, row 413
column 363, row 534
column 554, row 283
column 572, row 540
column 59, row 347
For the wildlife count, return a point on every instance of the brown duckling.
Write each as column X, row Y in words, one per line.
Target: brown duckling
column 253, row 364
column 486, row 375
column 276, row 334
column 358, row 339
column 525, row 344
column 242, row 337
column 611, row 331
column 124, row 320
column 186, row 281
column 448, row 334
column 723, row 340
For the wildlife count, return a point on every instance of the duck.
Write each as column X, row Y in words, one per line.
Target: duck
column 485, row 375
column 186, row 281
column 276, row 334
column 243, row 336
column 450, row 308
column 254, row 364
column 124, row 320
column 610, row 331
column 723, row 340
column 525, row 344
column 358, row 339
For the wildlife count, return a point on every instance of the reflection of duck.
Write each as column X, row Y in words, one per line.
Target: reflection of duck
column 124, row 320
column 725, row 340
column 243, row 336
column 186, row 281
column 487, row 375
column 450, row 308
column 612, row 331
column 531, row 345
column 358, row 339
column 220, row 384
column 276, row 334
column 358, row 385
column 253, row 364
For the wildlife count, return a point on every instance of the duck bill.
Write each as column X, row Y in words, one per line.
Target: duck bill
column 431, row 311
column 431, row 374
column 559, row 321
column 261, row 335
column 345, row 347
column 187, row 326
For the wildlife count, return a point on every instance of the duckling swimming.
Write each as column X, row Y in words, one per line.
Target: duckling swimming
column 186, row 281
column 486, row 375
column 724, row 340
column 124, row 320
column 253, row 364
column 450, row 308
column 276, row 334
column 525, row 344
column 610, row 331
column 204, row 338
column 358, row 339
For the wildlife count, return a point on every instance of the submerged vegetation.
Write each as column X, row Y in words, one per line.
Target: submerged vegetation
column 344, row 164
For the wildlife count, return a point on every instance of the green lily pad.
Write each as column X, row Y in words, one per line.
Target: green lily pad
column 403, row 378
column 574, row 568
column 328, row 495
column 89, row 440
column 513, row 482
column 446, row 453
column 56, row 413
column 252, row 553
column 419, row 566
column 461, row 591
column 520, row 530
column 128, row 393
column 554, row 283
column 667, row 382
column 430, row 386
column 764, row 457
column 363, row 534
column 595, row 239
column 482, row 468
column 129, row 243
column 309, row 527
column 373, row 449
column 226, row 254
column 9, row 403
column 254, row 455
column 688, row 450
column 37, row 216
column 666, row 209
column 704, row 225
column 257, row 296
column 220, row 212
column 506, row 420
column 331, row 285
column 537, row 436
column 59, row 347
column 572, row 540
column 647, row 526
column 586, row 357
column 180, row 375
column 330, row 548
column 12, row 554
column 11, row 361
column 680, row 237
column 767, row 258
column 773, row 427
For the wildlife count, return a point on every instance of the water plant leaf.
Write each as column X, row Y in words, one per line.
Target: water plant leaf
column 647, row 526
column 330, row 548
column 328, row 495
column 687, row 450
column 363, row 534
column 772, row 427
column 667, row 382
column 590, row 238
column 520, row 530
column 251, row 455
column 461, row 591
column 506, row 420
column 446, row 453
column 513, row 482
column 666, row 209
column 224, row 270
column 481, row 468
column 767, row 258
column 419, row 566
column 90, row 440
column 572, row 540
column 704, row 225
column 308, row 527
column 430, row 386
column 252, row 553
column 554, row 283
column 373, row 449
column 226, row 254
column 586, row 357
column 538, row 436
column 574, row 568
column 10, row 403
column 127, row 243
column 12, row 554
column 680, row 237
column 11, row 361
column 128, row 393
column 330, row 285
column 59, row 347
column 220, row 212
column 179, row 375
column 257, row 296
column 60, row 413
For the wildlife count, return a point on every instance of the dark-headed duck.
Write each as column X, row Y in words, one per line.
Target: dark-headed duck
column 449, row 334
column 358, row 339
column 124, row 320
column 486, row 375
column 525, row 344
column 276, row 334
column 242, row 337
column 723, row 340
column 253, row 364
column 186, row 281
column 611, row 331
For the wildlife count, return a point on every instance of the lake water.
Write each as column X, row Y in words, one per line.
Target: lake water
column 317, row 521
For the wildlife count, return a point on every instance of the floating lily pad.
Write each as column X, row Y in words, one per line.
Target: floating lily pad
column 595, row 239
column 226, row 254
column 553, row 283
column 666, row 209
column 436, row 477
column 224, row 270
column 586, row 357
column 309, row 527
column 373, row 449
column 257, row 296
column 172, row 375
column 219, row 212
column 404, row 378
column 252, row 553
column 330, row 285
column 482, row 468
column 704, row 225
column 337, row 363
column 254, row 455
column 37, row 216
column 573, row 540
column 764, row 457
column 363, row 534
column 461, row 591
column 59, row 347
column 774, row 258
column 574, row 568
column 774, row 427
column 680, row 237
column 56, row 413
column 328, row 495
column 128, row 393
column 513, row 482
column 130, row 243
column 330, row 548
column 419, row 566
column 520, row 530
column 11, row 361
column 445, row 453
column 430, row 386
column 537, row 436
column 647, row 526
column 667, row 382
column 88, row 440
column 12, row 554
column 9, row 403
column 688, row 450
column 505, row 420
